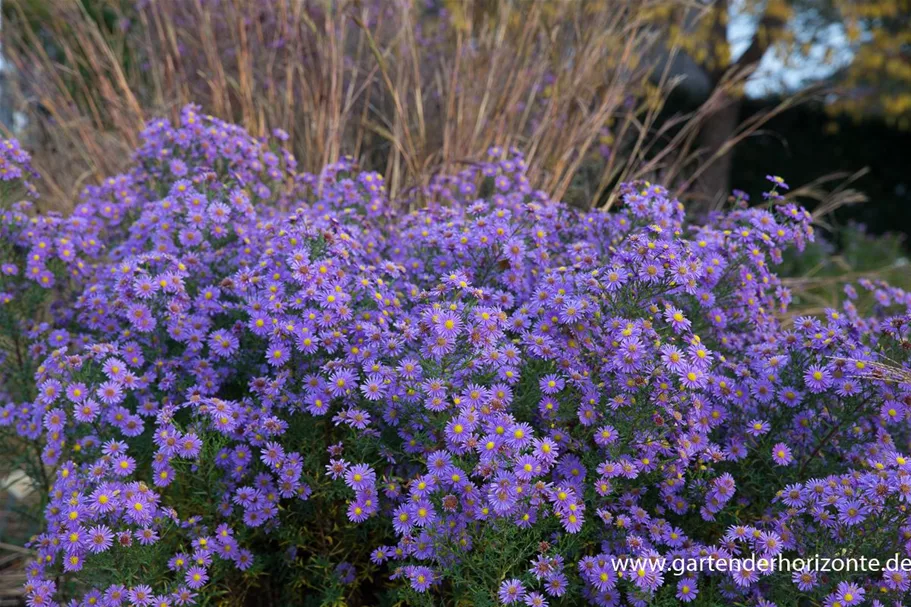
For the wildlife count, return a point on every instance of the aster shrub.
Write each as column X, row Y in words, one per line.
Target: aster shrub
column 248, row 383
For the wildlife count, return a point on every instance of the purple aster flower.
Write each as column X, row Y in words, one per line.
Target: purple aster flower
column 781, row 454
column 421, row 578
column 849, row 593
column 54, row 420
column 551, row 384
column 140, row 595
column 196, row 577
column 110, row 393
column 114, row 595
column 896, row 579
column 677, row 320
column 360, row 477
column 146, row 536
column 687, row 590
column 520, row 435
column 123, row 465
column 341, row 382
column 86, row 411
column 100, row 538
column 223, row 343
column 769, row 543
column 77, row 392
column 374, row 387
column 817, row 379
column 358, row 512
column 555, row 584
column 272, row 454
column 777, row 181
column 243, row 559
column 448, row 325
column 792, row 495
column 278, row 354
column 511, row 591
column 692, row 377
column 745, row 576
column 757, row 427
column 614, row 278
column 423, row 513
column 536, row 599
column 189, row 446
column 805, row 579
column 178, row 562
column 851, row 511
column 605, row 435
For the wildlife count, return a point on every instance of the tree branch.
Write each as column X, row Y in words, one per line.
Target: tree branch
column 769, row 23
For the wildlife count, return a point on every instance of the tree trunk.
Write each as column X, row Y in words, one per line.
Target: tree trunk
column 713, row 185
column 6, row 106
column 715, row 137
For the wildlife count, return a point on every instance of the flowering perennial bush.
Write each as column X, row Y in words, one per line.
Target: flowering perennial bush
column 485, row 399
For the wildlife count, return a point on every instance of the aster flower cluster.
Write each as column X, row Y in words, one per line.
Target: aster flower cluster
column 494, row 395
column 16, row 168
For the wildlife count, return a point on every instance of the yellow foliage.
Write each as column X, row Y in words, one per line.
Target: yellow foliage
column 874, row 28
column 779, row 10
